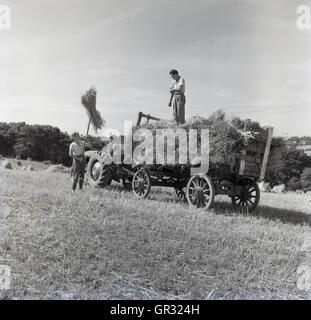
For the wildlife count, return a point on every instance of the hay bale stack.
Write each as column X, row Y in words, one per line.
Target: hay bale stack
column 264, row 186
column 57, row 168
column 19, row 163
column 299, row 192
column 279, row 189
column 7, row 164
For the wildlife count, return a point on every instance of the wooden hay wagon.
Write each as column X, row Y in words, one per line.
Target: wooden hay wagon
column 199, row 190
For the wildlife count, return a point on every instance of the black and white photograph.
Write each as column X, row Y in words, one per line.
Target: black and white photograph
column 155, row 150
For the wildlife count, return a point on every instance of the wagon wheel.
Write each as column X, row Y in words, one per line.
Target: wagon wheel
column 200, row 192
column 141, row 183
column 180, row 193
column 248, row 198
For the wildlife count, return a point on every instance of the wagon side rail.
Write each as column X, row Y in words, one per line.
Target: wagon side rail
column 266, row 154
column 254, row 158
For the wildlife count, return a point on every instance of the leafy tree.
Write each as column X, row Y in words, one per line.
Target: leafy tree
column 38, row 142
column 294, row 184
column 285, row 164
column 306, row 179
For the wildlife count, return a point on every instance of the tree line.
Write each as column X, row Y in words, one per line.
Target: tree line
column 38, row 142
column 289, row 166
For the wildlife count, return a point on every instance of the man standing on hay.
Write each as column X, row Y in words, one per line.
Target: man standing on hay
column 76, row 152
column 178, row 99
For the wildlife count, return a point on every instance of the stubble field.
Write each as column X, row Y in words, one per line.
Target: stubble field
column 106, row 244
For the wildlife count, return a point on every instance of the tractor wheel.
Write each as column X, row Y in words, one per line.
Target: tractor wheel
column 141, row 183
column 200, row 192
column 248, row 199
column 98, row 175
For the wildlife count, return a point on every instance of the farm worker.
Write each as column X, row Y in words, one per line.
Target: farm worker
column 76, row 152
column 178, row 99
column 110, row 146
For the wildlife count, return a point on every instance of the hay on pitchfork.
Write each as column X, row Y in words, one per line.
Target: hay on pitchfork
column 88, row 100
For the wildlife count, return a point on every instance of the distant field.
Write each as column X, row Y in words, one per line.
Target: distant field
column 105, row 244
column 25, row 163
column 304, row 147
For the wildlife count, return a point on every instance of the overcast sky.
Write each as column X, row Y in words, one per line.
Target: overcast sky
column 244, row 56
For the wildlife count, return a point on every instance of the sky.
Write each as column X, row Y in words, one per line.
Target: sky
column 246, row 57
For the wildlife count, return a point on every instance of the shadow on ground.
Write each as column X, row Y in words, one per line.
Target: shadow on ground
column 284, row 215
column 225, row 208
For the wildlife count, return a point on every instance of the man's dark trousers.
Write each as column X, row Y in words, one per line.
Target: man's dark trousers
column 78, row 168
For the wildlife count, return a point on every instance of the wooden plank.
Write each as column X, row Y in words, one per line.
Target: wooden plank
column 257, row 147
column 242, row 163
column 252, row 173
column 251, row 164
column 266, row 155
column 254, row 159
column 255, row 170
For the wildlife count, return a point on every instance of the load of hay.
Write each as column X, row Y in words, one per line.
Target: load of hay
column 227, row 137
column 57, row 168
column 7, row 164
column 279, row 189
column 264, row 187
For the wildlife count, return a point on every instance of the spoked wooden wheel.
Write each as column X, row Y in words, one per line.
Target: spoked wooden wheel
column 141, row 184
column 180, row 194
column 248, row 199
column 200, row 192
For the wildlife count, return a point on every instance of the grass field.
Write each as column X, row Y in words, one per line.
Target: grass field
column 105, row 244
